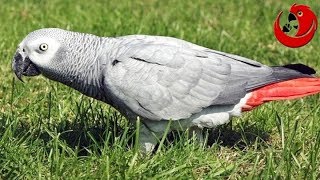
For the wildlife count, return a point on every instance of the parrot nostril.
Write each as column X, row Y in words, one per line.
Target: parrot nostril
column 23, row 50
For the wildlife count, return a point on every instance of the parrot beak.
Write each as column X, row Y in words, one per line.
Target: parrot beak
column 291, row 17
column 23, row 67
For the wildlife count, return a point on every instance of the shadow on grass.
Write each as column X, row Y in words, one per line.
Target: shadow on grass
column 89, row 131
column 89, row 134
column 232, row 137
column 85, row 137
column 237, row 137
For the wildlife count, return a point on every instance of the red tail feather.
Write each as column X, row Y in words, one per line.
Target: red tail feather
column 290, row 89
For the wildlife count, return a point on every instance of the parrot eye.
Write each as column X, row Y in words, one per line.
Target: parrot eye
column 300, row 13
column 43, row 47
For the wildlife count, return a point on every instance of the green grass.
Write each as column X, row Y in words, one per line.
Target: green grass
column 50, row 131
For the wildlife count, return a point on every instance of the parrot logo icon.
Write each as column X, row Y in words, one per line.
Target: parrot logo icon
column 306, row 28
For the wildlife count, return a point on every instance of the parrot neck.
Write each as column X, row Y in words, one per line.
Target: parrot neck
column 84, row 68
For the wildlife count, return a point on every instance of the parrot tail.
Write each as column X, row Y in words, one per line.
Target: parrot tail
column 290, row 89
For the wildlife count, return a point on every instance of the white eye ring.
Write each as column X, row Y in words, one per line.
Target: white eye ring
column 43, row 47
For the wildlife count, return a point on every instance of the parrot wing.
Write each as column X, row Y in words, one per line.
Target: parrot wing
column 173, row 80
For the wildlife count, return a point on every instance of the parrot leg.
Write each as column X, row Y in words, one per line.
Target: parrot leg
column 196, row 132
column 147, row 140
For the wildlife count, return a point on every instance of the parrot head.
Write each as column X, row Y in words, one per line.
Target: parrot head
column 37, row 53
column 305, row 17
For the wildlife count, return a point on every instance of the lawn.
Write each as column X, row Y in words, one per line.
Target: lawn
column 49, row 131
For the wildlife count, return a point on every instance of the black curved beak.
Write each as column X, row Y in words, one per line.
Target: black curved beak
column 23, row 67
column 291, row 17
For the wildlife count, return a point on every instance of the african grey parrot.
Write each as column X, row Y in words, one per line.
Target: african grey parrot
column 159, row 79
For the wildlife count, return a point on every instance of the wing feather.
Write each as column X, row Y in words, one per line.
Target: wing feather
column 161, row 78
column 167, row 81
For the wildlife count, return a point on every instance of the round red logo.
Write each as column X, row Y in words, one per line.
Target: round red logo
column 306, row 28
